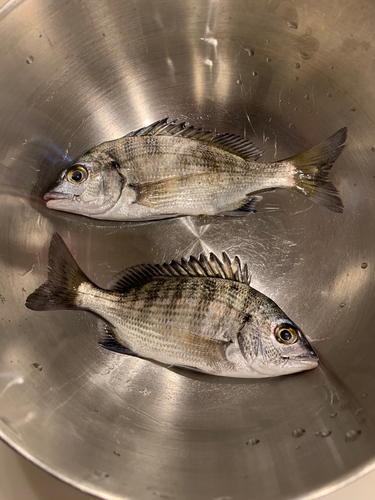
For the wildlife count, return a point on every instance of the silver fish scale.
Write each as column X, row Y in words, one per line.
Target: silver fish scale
column 147, row 316
column 165, row 168
column 173, row 156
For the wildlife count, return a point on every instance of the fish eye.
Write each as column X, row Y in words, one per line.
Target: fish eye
column 286, row 334
column 77, row 174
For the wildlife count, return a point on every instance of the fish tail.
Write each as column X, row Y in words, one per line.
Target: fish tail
column 312, row 168
column 64, row 277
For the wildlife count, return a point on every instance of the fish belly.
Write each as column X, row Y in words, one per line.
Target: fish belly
column 169, row 176
column 184, row 321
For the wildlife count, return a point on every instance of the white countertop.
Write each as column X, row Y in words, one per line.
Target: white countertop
column 19, row 479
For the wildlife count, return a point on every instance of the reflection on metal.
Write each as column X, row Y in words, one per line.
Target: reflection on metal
column 14, row 381
column 101, row 69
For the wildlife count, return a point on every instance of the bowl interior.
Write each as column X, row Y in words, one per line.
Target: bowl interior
column 286, row 76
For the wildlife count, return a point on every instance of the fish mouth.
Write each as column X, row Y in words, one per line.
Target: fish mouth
column 54, row 195
column 311, row 359
column 58, row 201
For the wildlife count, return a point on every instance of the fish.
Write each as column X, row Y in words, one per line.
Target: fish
column 200, row 314
column 169, row 169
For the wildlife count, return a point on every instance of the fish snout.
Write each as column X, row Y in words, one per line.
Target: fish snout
column 54, row 195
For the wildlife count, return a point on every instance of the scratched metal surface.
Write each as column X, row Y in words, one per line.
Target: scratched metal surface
column 76, row 73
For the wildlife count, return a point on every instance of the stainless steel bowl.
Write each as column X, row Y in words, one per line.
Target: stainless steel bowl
column 286, row 75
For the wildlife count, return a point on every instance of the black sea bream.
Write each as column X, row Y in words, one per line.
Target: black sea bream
column 169, row 170
column 200, row 314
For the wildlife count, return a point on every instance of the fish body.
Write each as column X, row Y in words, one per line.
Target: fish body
column 169, row 170
column 199, row 314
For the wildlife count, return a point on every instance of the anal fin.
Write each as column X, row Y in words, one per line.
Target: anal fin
column 248, row 207
column 176, row 368
column 109, row 340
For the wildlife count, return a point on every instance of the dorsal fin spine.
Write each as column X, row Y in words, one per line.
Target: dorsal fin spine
column 228, row 142
column 203, row 267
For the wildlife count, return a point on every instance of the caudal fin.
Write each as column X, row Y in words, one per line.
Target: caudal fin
column 312, row 168
column 64, row 278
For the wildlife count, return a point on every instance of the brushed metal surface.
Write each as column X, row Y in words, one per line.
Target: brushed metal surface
column 286, row 75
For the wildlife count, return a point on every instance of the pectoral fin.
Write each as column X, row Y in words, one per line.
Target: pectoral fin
column 196, row 352
column 184, row 348
column 152, row 194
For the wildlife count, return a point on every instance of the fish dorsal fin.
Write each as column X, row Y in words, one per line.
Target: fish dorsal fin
column 203, row 267
column 228, row 142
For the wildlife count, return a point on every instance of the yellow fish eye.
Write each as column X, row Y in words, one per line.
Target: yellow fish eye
column 77, row 174
column 286, row 334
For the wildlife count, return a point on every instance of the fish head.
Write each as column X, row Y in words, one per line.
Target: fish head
column 91, row 186
column 273, row 344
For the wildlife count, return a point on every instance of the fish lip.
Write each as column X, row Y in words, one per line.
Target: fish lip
column 55, row 195
column 312, row 358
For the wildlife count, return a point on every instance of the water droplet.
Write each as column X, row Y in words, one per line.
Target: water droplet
column 329, row 94
column 298, row 447
column 37, row 366
column 24, row 142
column 268, row 59
column 292, row 24
column 373, row 149
column 333, row 415
column 295, row 109
column 268, row 40
column 106, row 474
column 364, row 395
column 332, row 67
column 281, row 100
column 290, row 90
column 297, row 65
column 364, row 265
column 304, row 55
column 30, row 59
column 323, row 434
column 348, row 341
column 40, row 36
column 249, row 52
column 255, row 73
column 352, row 435
column 307, row 97
column 296, row 78
column 290, row 125
column 253, row 442
column 297, row 433
column 343, row 304
column 352, row 108
column 239, row 82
